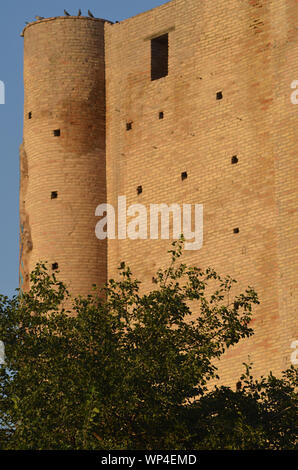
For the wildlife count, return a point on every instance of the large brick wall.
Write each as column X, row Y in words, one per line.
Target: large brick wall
column 64, row 80
column 243, row 49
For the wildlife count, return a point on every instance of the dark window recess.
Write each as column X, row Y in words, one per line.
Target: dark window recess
column 55, row 266
column 139, row 189
column 236, row 230
column 234, row 159
column 161, row 115
column 30, row 115
column 128, row 126
column 54, row 195
column 184, row 175
column 57, row 133
column 219, row 95
column 159, row 57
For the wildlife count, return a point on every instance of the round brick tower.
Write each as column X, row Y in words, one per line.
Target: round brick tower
column 62, row 160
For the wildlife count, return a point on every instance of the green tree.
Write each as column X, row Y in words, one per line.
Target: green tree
column 130, row 370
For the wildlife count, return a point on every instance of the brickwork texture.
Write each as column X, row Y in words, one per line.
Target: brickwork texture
column 226, row 94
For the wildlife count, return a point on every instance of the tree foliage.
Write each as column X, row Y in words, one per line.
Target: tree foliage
column 125, row 369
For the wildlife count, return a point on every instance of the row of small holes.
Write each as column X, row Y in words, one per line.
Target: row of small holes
column 129, row 124
column 183, row 177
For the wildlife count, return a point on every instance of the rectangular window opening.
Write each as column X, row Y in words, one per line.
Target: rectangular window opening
column 57, row 132
column 159, row 57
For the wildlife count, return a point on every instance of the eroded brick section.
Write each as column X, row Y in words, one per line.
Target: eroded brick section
column 26, row 244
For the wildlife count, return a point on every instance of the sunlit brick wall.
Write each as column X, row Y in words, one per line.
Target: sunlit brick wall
column 227, row 94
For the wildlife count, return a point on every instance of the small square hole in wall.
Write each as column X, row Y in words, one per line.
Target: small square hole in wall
column 236, row 230
column 219, row 95
column 139, row 190
column 57, row 133
column 184, row 175
column 234, row 159
column 55, row 266
column 54, row 195
column 30, row 115
column 161, row 115
column 128, row 126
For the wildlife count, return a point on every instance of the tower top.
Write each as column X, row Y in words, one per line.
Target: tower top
column 70, row 17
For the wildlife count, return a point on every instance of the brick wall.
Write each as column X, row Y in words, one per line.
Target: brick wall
column 64, row 81
column 244, row 51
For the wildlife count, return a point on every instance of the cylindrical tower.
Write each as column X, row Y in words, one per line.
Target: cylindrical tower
column 63, row 151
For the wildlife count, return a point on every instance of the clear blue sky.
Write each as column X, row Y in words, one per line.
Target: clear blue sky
column 13, row 15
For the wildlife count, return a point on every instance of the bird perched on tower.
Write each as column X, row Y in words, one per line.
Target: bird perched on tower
column 39, row 17
column 79, row 12
column 90, row 14
column 66, row 13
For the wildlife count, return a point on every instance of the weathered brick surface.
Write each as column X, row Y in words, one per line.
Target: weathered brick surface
column 64, row 89
column 246, row 50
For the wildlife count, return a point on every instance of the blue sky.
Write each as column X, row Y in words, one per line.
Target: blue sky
column 12, row 20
